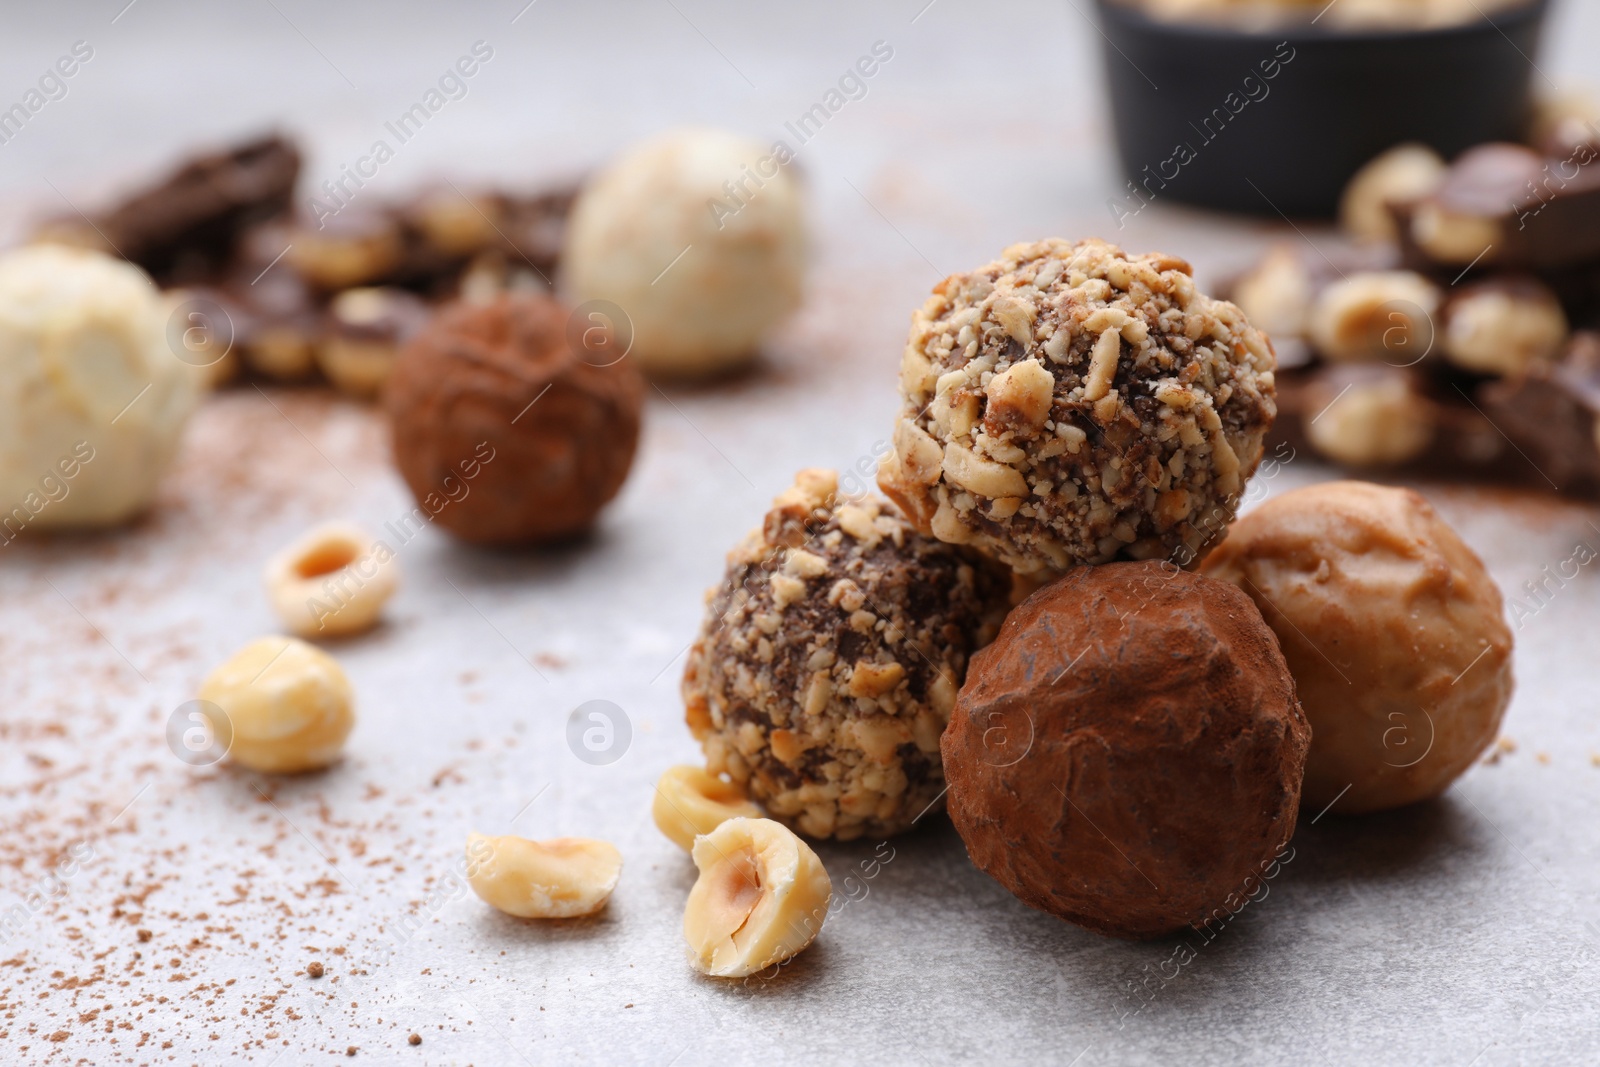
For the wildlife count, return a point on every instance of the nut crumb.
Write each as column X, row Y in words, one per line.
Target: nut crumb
column 414, row 1039
column 144, row 935
column 314, row 970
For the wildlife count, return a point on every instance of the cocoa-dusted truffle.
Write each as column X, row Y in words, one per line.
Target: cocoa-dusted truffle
column 1127, row 754
column 1393, row 628
column 830, row 658
column 1069, row 404
column 547, row 433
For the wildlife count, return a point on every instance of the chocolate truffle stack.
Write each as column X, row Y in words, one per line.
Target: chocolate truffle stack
column 1065, row 405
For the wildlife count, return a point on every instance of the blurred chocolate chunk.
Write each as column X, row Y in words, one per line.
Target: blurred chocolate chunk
column 1506, row 206
column 1553, row 413
column 184, row 227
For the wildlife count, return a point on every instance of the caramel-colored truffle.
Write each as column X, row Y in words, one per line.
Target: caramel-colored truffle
column 504, row 434
column 830, row 658
column 1070, row 404
column 1127, row 754
column 1393, row 630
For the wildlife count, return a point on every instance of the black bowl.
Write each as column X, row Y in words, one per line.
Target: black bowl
column 1274, row 122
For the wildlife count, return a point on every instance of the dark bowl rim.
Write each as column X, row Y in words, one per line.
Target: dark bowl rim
column 1299, row 34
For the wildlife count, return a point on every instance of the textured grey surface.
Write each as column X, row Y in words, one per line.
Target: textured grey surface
column 1456, row 933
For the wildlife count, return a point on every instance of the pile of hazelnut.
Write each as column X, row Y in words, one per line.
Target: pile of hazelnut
column 1455, row 335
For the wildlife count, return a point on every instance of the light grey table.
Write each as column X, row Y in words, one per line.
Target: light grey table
column 1457, row 933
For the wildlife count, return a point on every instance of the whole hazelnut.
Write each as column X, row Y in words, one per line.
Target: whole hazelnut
column 1365, row 415
column 1502, row 325
column 504, row 431
column 1393, row 630
column 1376, row 316
column 1127, row 754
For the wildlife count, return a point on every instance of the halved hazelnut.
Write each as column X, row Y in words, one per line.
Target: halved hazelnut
column 761, row 898
column 690, row 802
column 558, row 879
column 332, row 581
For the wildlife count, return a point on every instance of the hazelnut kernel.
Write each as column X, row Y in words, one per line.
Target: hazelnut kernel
column 689, row 802
column 761, row 898
column 1404, row 174
column 562, row 878
column 1375, row 421
column 332, row 581
column 1502, row 327
column 287, row 705
column 1376, row 316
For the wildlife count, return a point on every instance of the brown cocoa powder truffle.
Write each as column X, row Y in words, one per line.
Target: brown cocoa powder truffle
column 517, row 437
column 830, row 658
column 1127, row 754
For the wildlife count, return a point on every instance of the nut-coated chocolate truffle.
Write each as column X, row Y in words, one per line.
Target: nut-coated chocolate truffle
column 830, row 658
column 1127, row 754
column 505, row 433
column 1394, row 632
column 1070, row 404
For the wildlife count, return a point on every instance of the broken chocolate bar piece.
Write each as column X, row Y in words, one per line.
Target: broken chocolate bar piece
column 1553, row 413
column 1537, row 429
column 1505, row 206
column 184, row 228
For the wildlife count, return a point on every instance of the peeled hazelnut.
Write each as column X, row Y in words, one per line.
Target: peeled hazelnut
column 332, row 581
column 454, row 224
column 365, row 330
column 761, row 898
column 1372, row 418
column 353, row 247
column 1403, row 174
column 1500, row 326
column 689, row 802
column 562, row 878
column 286, row 705
column 1276, row 294
column 1376, row 316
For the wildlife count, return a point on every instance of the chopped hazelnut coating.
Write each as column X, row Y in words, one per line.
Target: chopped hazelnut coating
column 830, row 658
column 1071, row 404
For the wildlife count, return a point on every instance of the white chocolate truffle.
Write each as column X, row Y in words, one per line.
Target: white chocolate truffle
column 89, row 384
column 698, row 236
